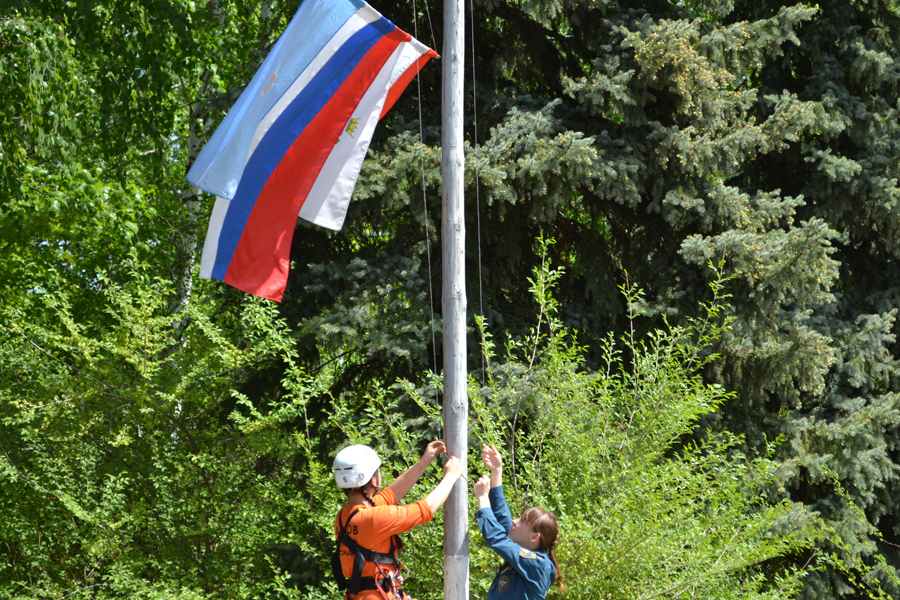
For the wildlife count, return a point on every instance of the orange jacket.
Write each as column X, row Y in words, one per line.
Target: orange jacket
column 373, row 527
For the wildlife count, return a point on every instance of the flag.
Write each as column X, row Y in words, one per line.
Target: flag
column 294, row 142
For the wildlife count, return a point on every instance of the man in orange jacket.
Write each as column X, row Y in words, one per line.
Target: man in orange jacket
column 366, row 527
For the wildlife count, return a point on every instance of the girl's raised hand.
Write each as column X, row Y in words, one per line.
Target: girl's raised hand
column 491, row 457
column 482, row 486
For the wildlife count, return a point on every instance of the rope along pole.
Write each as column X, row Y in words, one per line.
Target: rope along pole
column 425, row 204
column 477, row 187
column 453, row 299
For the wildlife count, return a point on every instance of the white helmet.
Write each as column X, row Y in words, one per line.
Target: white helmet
column 354, row 466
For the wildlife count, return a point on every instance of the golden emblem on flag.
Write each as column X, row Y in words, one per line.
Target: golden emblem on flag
column 351, row 127
column 271, row 81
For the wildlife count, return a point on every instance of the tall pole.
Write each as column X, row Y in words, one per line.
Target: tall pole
column 453, row 300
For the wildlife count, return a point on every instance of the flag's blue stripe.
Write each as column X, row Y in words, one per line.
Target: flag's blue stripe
column 285, row 130
column 219, row 166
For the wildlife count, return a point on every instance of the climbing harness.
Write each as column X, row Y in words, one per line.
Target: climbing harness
column 389, row 584
column 393, row 582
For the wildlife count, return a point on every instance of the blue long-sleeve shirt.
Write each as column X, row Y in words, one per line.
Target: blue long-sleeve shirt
column 525, row 575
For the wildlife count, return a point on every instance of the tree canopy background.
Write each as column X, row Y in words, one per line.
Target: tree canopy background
column 646, row 138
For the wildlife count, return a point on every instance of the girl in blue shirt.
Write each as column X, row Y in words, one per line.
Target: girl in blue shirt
column 525, row 544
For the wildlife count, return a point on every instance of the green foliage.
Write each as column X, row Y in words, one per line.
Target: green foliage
column 129, row 466
column 647, row 138
column 139, row 462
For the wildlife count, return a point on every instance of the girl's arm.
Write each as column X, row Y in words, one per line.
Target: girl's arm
column 490, row 456
column 491, row 498
column 481, row 492
column 408, row 479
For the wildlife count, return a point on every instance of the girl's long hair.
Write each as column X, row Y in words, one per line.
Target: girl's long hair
column 544, row 523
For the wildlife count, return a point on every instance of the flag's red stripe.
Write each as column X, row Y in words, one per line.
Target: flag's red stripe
column 403, row 81
column 262, row 257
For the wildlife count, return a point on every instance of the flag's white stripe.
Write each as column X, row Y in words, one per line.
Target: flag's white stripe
column 211, row 245
column 418, row 46
column 363, row 17
column 220, row 165
column 327, row 201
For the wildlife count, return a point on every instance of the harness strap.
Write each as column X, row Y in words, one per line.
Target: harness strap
column 361, row 555
column 369, row 583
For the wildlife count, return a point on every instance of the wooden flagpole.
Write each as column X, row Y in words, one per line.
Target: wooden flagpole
column 453, row 299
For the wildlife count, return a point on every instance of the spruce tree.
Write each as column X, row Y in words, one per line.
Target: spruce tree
column 651, row 138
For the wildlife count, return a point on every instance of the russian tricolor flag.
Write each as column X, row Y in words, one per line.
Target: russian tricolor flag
column 294, row 142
